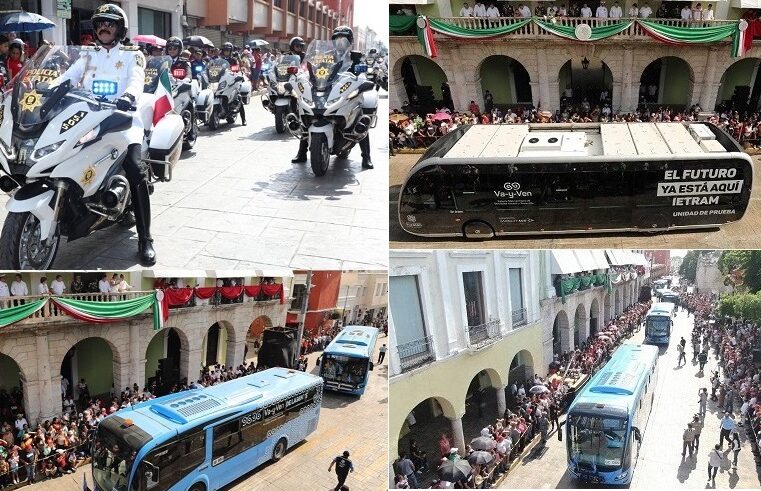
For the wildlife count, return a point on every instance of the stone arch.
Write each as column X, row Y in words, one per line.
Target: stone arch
column 96, row 360
column 678, row 92
column 168, row 344
column 743, row 72
column 218, row 347
column 521, row 367
column 508, row 80
column 13, row 378
column 560, row 338
column 431, row 416
column 579, row 325
column 586, row 83
column 481, row 394
column 414, row 70
column 594, row 317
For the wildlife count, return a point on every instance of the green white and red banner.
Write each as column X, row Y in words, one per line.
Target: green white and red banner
column 164, row 100
column 425, row 36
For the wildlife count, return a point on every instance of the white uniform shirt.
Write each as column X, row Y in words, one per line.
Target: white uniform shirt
column 4, row 290
column 479, row 10
column 602, row 12
column 492, row 11
column 633, row 12
column 466, row 12
column 708, row 14
column 644, row 12
column 104, row 286
column 19, row 289
column 42, row 289
column 124, row 65
column 697, row 14
column 586, row 12
column 686, row 13
column 616, row 12
column 525, row 12
column 58, row 287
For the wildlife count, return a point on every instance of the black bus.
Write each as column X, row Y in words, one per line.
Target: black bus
column 482, row 181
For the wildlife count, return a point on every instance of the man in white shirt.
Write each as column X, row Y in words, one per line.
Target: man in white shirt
column 492, row 11
column 586, row 12
column 466, row 11
column 602, row 11
column 615, row 11
column 42, row 287
column 686, row 13
column 4, row 291
column 645, row 11
column 524, row 11
column 58, row 286
column 104, row 286
column 562, row 12
column 708, row 13
column 123, row 286
column 697, row 12
column 633, row 11
column 19, row 288
column 479, row 10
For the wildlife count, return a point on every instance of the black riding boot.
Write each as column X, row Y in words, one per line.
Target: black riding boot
column 364, row 146
column 141, row 202
column 301, row 157
column 242, row 113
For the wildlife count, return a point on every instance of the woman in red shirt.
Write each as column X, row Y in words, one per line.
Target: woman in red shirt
column 15, row 58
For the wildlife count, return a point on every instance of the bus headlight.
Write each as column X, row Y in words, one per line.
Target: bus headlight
column 622, row 476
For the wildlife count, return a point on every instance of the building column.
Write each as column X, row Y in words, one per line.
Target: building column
column 457, row 434
column 534, row 93
column 137, row 362
column 122, row 375
column 49, row 397
column 617, row 96
column 58, row 34
column 554, row 94
column 394, row 362
column 544, row 86
column 636, row 85
column 566, row 339
column 397, row 94
column 234, row 355
column 190, row 364
column 626, row 102
column 707, row 96
column 501, row 403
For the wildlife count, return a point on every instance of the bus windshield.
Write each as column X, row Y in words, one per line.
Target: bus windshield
column 113, row 458
column 344, row 369
column 597, row 442
column 658, row 325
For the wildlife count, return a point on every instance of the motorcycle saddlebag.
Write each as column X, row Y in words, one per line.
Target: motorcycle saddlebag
column 245, row 91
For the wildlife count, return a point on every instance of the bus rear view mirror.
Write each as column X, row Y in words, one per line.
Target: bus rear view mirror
column 371, row 366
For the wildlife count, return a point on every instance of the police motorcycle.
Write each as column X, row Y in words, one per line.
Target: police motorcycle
column 278, row 100
column 61, row 155
column 380, row 72
column 205, row 99
column 336, row 107
column 184, row 92
column 227, row 87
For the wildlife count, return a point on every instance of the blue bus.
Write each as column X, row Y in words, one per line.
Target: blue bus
column 658, row 323
column 203, row 439
column 607, row 420
column 671, row 297
column 347, row 360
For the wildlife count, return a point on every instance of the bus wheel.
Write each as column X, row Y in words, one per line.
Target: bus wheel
column 279, row 451
column 477, row 229
column 199, row 486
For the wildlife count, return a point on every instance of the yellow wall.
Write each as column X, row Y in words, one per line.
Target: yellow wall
column 448, row 380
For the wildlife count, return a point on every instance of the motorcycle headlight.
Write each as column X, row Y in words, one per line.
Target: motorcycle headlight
column 354, row 93
column 89, row 136
column 7, row 150
column 46, row 150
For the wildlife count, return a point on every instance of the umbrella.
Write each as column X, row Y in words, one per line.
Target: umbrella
column 149, row 39
column 480, row 457
column 258, row 42
column 25, row 22
column 483, row 443
column 538, row 389
column 398, row 118
column 198, row 42
column 441, row 116
column 454, row 470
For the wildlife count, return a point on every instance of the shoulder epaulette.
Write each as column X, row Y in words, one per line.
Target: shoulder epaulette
column 129, row 48
column 90, row 48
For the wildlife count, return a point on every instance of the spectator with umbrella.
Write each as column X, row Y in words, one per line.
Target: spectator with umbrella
column 456, row 471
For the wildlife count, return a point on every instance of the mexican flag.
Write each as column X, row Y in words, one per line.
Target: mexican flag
column 164, row 100
column 425, row 36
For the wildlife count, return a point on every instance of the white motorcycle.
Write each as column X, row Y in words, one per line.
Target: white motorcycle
column 61, row 156
column 278, row 100
column 336, row 107
column 229, row 90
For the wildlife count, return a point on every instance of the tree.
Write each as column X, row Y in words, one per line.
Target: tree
column 732, row 260
column 689, row 267
column 753, row 271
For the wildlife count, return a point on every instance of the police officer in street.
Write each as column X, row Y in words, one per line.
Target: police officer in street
column 227, row 54
column 123, row 65
column 343, row 38
column 174, row 49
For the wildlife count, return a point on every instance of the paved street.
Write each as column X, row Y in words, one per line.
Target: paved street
column 346, row 423
column 737, row 235
column 236, row 201
column 660, row 464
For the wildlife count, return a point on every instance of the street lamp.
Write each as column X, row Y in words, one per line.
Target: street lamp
column 584, row 63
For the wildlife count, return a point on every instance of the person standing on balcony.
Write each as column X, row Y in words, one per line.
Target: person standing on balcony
column 57, row 285
column 645, row 11
column 615, row 11
column 602, row 11
column 492, row 11
column 586, row 12
column 5, row 292
column 633, row 11
column 466, row 11
column 697, row 12
column 479, row 10
column 686, row 13
column 524, row 11
column 77, row 286
column 708, row 13
column 19, row 288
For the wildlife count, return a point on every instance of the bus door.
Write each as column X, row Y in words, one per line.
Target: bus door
column 427, row 203
column 602, row 192
column 229, row 440
column 648, row 209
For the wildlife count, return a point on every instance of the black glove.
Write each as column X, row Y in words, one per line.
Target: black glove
column 125, row 102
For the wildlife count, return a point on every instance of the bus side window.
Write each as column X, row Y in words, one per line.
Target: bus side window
column 228, row 440
column 427, row 190
column 167, row 460
column 193, row 447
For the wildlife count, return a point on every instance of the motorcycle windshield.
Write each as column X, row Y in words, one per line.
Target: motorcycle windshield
column 153, row 68
column 216, row 69
column 34, row 101
column 287, row 62
column 324, row 62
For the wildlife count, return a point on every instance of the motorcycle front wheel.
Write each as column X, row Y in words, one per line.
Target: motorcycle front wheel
column 21, row 246
column 280, row 113
column 319, row 153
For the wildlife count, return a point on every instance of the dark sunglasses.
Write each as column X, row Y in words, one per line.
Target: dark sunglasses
column 105, row 23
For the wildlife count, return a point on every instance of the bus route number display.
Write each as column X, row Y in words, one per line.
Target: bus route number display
column 273, row 410
column 699, row 187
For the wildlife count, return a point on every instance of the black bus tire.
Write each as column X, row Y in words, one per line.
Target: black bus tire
column 199, row 486
column 279, row 450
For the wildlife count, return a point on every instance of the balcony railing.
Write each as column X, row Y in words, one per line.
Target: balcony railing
column 484, row 334
column 534, row 31
column 50, row 312
column 416, row 353
column 519, row 317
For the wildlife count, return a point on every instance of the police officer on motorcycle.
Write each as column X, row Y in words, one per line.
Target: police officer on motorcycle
column 343, row 38
column 297, row 46
column 227, row 55
column 123, row 66
column 174, row 47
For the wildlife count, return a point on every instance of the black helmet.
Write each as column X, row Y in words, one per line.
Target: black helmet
column 227, row 47
column 113, row 13
column 296, row 41
column 174, row 42
column 344, row 31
